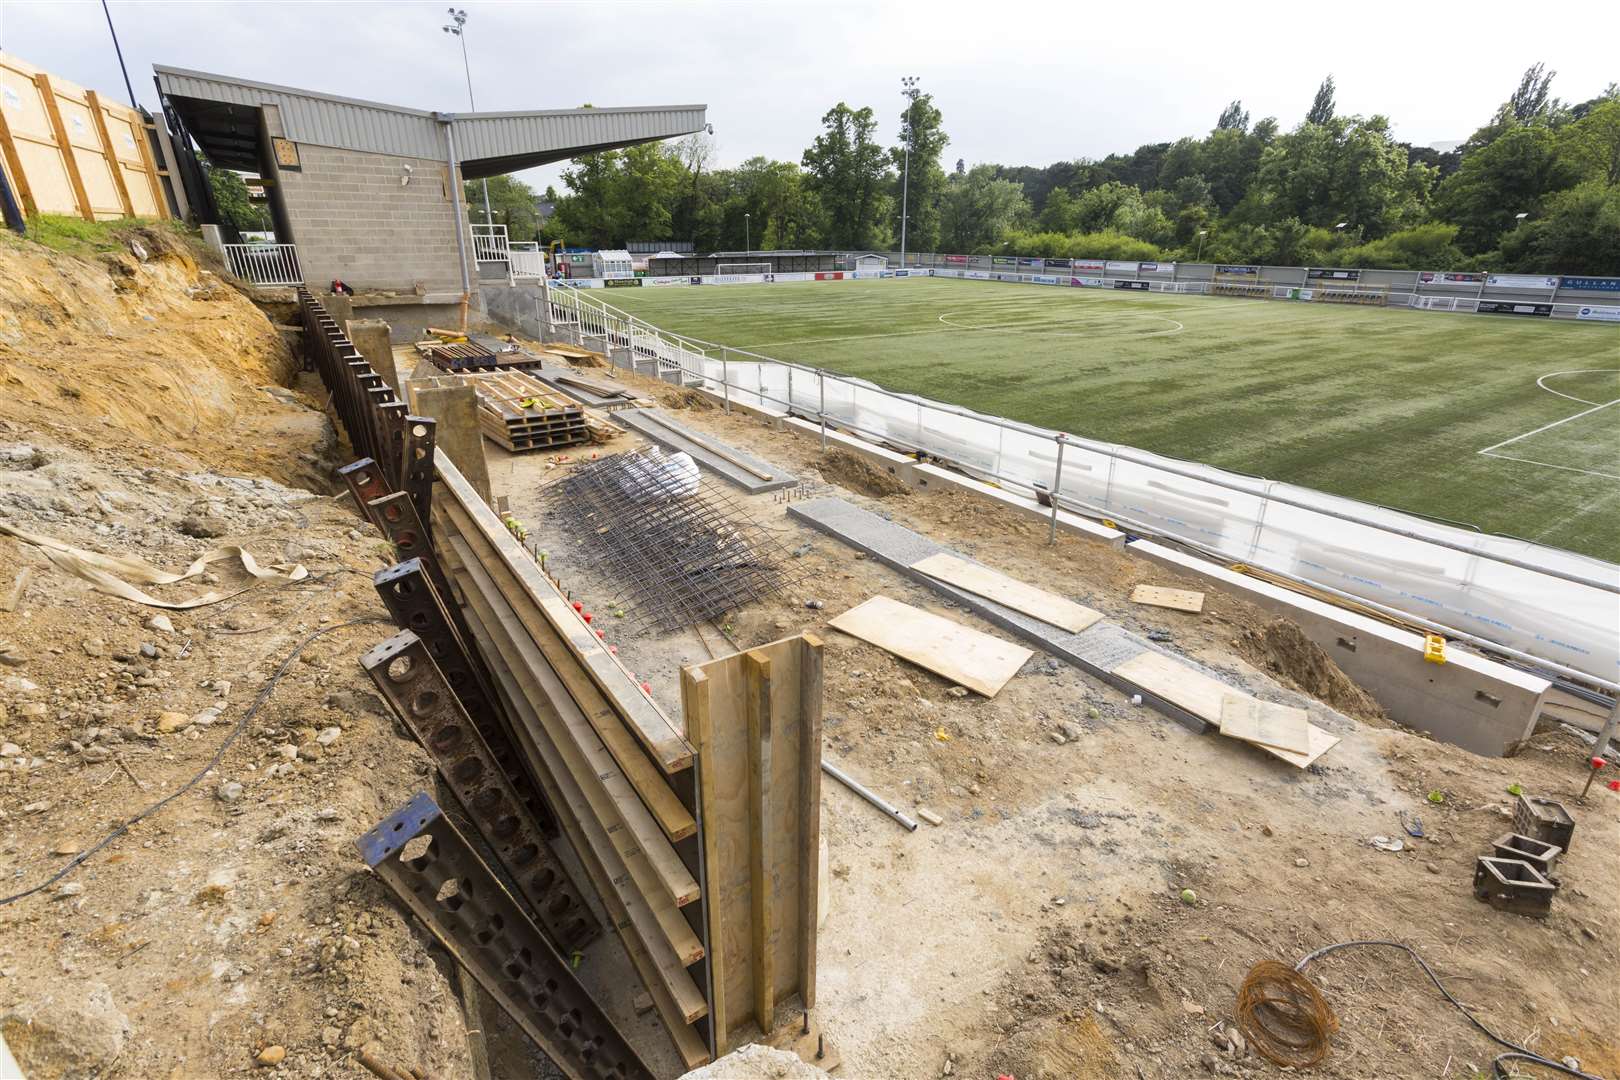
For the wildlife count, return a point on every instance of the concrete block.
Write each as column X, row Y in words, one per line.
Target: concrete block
column 455, row 406
column 370, row 337
column 1469, row 701
column 1513, row 885
column 1544, row 820
column 1540, row 855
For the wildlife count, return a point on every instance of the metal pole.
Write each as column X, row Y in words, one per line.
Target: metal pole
column 1601, row 749
column 821, row 411
column 449, row 122
column 1057, row 484
column 725, row 376
column 105, row 10
column 860, row 789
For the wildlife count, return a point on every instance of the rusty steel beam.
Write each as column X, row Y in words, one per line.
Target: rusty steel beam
column 435, row 873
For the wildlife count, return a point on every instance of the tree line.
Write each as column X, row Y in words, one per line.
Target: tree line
column 1535, row 189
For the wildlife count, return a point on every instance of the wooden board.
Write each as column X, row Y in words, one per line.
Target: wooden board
column 1321, row 743
column 1265, row 723
column 653, row 863
column 647, row 722
column 982, row 581
column 978, row 661
column 1175, row 599
column 1205, row 696
column 630, row 919
column 1177, row 683
column 755, row 719
column 650, row 786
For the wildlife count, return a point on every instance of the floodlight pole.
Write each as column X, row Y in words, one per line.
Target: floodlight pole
column 458, row 27
column 909, row 82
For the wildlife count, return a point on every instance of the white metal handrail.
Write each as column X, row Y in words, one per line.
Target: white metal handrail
column 528, row 261
column 490, row 243
column 264, row 264
column 1287, row 529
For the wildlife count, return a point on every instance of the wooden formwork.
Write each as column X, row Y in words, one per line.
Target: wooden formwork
column 69, row 151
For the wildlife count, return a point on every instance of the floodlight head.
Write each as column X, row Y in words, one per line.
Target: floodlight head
column 1521, row 215
column 1341, row 224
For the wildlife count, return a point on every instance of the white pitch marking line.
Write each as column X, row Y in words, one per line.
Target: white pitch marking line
column 1548, row 427
column 1575, row 371
column 1550, row 465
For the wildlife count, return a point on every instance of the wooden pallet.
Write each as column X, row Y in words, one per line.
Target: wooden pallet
column 520, row 412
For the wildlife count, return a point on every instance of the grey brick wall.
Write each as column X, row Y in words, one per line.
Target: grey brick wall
column 351, row 219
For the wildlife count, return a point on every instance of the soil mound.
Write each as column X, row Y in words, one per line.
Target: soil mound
column 856, row 474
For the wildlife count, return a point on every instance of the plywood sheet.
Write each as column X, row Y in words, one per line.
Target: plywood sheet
column 1175, row 599
column 978, row 661
column 1177, row 683
column 1321, row 743
column 1009, row 592
column 1265, row 723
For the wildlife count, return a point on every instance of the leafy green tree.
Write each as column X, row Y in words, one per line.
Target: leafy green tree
column 921, row 127
column 1591, row 145
column 1578, row 233
column 1533, row 99
column 1508, row 176
column 512, row 202
column 1346, row 169
column 231, row 197
column 619, row 195
column 1233, row 118
column 1422, row 247
column 847, row 172
column 1321, row 110
column 978, row 210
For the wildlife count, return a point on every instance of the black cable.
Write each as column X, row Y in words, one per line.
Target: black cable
column 1519, row 1052
column 241, row 725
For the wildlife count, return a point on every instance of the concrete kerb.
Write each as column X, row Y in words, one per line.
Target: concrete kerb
column 1469, row 701
column 1097, row 651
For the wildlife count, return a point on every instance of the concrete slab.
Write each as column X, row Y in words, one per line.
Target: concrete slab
column 708, row 452
column 1098, row 651
column 1469, row 701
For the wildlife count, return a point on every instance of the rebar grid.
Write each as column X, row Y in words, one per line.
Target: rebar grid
column 685, row 552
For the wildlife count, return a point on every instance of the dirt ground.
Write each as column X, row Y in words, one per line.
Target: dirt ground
column 150, row 411
column 1040, row 932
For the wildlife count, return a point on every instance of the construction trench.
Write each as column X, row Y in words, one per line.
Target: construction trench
column 700, row 744
column 699, row 835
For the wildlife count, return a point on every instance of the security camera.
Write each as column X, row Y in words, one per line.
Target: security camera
column 711, row 129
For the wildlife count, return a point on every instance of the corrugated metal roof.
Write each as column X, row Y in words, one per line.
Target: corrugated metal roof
column 486, row 143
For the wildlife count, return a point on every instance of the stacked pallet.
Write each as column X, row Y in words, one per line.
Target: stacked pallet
column 520, row 412
column 613, row 766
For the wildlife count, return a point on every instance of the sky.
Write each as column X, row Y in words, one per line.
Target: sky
column 1018, row 83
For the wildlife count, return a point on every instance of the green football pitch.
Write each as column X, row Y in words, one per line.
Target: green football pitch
column 1508, row 424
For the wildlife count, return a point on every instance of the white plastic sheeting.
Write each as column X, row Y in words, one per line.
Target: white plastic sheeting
column 1533, row 607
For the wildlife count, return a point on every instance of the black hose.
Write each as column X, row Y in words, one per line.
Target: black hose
column 1519, row 1052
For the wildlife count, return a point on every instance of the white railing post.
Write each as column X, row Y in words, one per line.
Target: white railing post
column 1057, row 483
column 821, row 410
column 725, row 375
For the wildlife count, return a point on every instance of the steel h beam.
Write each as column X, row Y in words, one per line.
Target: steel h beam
column 449, row 888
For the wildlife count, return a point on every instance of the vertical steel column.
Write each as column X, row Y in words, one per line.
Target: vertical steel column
column 821, row 410
column 1057, row 484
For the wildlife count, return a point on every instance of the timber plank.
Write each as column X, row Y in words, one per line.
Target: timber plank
column 673, row 817
column 759, row 763
column 1265, row 723
column 647, row 721
column 611, row 797
column 591, row 845
column 976, row 660
column 982, row 581
column 1174, row 599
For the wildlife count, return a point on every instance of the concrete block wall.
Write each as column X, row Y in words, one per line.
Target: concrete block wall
column 352, row 219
